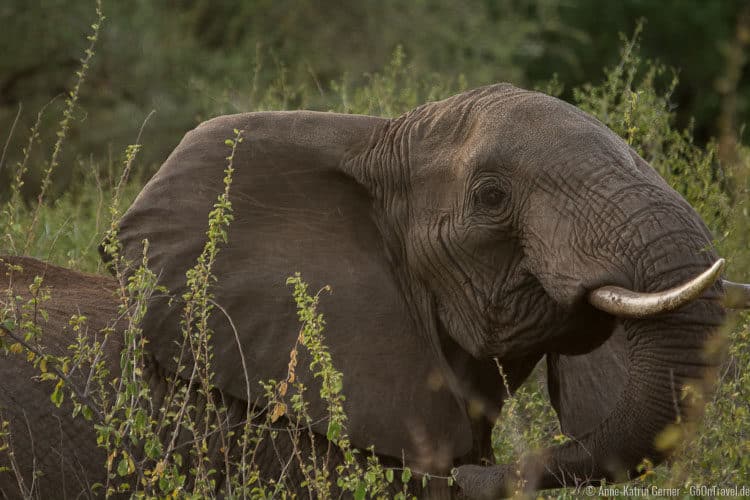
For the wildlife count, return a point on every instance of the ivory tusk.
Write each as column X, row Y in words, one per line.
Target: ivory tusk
column 629, row 304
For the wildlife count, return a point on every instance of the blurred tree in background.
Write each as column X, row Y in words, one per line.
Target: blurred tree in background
column 192, row 59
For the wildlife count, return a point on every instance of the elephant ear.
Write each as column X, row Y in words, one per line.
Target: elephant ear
column 295, row 210
column 584, row 388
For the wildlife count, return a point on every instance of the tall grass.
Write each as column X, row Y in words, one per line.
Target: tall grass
column 141, row 442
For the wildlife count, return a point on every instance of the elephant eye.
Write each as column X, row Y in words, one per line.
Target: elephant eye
column 489, row 196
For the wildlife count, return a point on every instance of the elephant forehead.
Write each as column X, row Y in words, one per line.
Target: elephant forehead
column 507, row 128
column 541, row 125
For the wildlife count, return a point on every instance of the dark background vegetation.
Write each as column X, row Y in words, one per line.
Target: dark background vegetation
column 192, row 59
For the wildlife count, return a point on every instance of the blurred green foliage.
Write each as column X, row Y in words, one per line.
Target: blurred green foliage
column 192, row 59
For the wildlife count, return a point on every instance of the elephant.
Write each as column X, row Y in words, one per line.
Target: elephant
column 497, row 227
column 44, row 438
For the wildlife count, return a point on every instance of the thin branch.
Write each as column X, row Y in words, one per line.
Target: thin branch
column 10, row 135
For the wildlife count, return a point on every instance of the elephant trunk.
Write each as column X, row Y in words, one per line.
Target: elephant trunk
column 666, row 349
column 665, row 355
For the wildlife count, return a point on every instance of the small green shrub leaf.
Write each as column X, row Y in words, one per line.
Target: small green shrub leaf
column 57, row 395
column 406, row 475
column 389, row 475
column 359, row 493
column 334, row 428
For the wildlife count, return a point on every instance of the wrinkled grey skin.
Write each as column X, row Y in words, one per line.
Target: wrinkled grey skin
column 466, row 230
column 44, row 438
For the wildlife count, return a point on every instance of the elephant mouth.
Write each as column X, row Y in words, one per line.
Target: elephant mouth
column 549, row 325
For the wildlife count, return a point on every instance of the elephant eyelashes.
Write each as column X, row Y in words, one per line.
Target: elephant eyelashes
column 489, row 196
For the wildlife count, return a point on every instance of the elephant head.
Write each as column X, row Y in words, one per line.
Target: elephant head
column 487, row 225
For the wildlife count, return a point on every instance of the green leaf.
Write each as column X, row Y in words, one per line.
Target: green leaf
column 334, row 428
column 140, row 420
column 337, row 385
column 153, row 448
column 57, row 395
column 406, row 475
column 389, row 475
column 425, row 479
column 122, row 467
column 164, row 484
column 359, row 493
